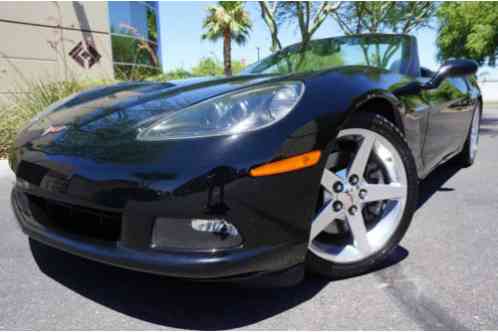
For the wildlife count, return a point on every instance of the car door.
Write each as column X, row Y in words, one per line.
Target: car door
column 449, row 119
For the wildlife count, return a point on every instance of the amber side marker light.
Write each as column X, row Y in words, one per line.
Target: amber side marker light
column 287, row 165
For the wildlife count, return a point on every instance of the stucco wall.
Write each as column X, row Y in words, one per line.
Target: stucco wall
column 37, row 39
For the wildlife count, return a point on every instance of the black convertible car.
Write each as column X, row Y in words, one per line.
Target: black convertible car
column 308, row 160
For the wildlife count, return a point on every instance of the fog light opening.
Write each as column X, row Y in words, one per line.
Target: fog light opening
column 193, row 234
column 219, row 227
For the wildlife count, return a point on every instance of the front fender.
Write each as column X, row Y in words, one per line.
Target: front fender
column 335, row 96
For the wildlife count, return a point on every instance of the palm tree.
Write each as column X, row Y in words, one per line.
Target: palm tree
column 230, row 21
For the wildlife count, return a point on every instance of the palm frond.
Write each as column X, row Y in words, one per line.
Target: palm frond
column 229, row 16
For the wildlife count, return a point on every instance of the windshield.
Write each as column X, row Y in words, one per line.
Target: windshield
column 382, row 51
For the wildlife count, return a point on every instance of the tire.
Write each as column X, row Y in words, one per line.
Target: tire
column 335, row 268
column 467, row 157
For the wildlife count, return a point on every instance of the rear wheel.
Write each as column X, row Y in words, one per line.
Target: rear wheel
column 469, row 152
column 367, row 198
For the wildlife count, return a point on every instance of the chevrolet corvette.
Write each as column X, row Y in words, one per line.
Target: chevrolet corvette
column 309, row 160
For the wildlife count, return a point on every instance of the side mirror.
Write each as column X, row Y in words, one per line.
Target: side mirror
column 452, row 68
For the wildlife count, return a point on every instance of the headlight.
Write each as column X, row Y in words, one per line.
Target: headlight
column 229, row 114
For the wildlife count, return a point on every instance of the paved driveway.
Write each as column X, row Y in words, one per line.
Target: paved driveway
column 444, row 276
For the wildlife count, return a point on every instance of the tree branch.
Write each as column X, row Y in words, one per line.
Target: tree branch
column 268, row 16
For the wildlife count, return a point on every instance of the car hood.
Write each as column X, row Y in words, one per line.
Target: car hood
column 101, row 125
column 123, row 107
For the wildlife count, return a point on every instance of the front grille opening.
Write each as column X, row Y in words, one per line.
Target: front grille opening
column 32, row 173
column 73, row 219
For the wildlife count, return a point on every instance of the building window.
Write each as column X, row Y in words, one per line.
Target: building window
column 134, row 39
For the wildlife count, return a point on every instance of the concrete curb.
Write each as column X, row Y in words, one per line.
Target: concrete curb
column 5, row 170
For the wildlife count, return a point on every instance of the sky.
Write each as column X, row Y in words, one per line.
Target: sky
column 181, row 30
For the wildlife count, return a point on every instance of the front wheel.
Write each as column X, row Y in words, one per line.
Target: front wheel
column 367, row 198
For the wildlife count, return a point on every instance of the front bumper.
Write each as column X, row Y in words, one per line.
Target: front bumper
column 271, row 213
column 236, row 264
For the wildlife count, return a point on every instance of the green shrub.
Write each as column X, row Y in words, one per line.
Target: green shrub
column 208, row 66
column 21, row 107
column 175, row 74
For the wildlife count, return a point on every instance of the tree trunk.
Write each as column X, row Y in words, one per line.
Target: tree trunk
column 227, row 52
column 268, row 16
column 305, row 41
column 275, row 42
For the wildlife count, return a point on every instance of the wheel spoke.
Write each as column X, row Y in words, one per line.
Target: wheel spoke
column 326, row 216
column 359, row 232
column 380, row 192
column 361, row 158
column 328, row 179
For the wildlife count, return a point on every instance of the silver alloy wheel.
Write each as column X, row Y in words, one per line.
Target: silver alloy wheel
column 355, row 192
column 474, row 134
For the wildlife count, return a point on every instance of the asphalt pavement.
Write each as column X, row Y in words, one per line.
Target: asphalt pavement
column 444, row 275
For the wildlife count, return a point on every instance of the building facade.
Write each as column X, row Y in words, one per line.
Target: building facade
column 49, row 41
